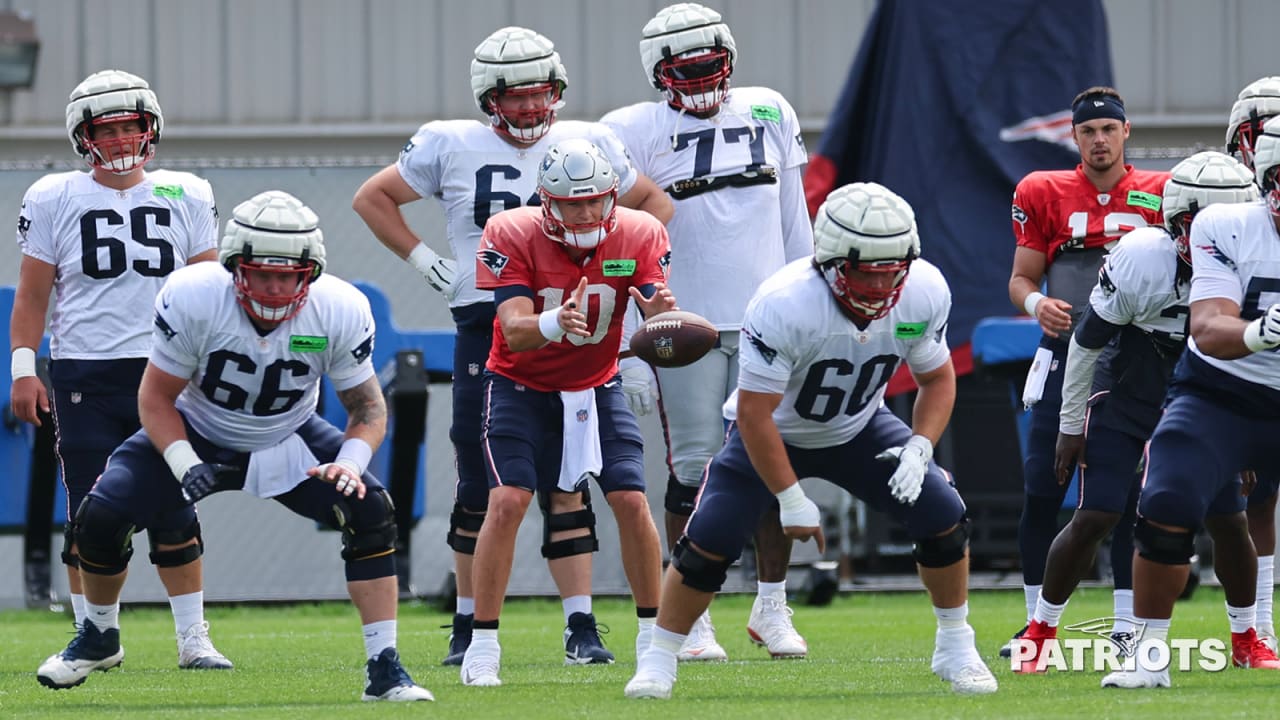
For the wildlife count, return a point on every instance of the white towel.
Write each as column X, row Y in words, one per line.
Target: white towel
column 1033, row 389
column 580, row 454
column 279, row 468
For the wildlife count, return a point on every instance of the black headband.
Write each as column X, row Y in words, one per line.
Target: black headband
column 1094, row 107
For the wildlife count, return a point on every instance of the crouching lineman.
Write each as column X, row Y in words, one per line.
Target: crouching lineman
column 824, row 334
column 227, row 402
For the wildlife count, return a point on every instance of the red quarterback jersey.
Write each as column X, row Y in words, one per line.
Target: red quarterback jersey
column 1057, row 211
column 515, row 252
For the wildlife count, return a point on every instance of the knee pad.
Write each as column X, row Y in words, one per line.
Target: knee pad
column 559, row 522
column 368, row 529
column 181, row 556
column 680, row 499
column 104, row 538
column 461, row 519
column 939, row 552
column 1162, row 546
column 697, row 570
column 69, row 558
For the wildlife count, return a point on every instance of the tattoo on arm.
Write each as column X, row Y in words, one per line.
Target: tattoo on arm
column 364, row 403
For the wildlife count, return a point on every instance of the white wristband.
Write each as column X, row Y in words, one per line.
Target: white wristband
column 549, row 324
column 922, row 445
column 792, row 499
column 23, row 363
column 181, row 458
column 355, row 455
column 1030, row 303
column 422, row 258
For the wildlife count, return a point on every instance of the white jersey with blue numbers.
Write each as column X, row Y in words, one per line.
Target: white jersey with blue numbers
column 475, row 174
column 797, row 342
column 250, row 391
column 112, row 250
column 1139, row 285
column 735, row 181
column 1235, row 254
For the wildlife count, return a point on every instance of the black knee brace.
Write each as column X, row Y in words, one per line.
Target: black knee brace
column 69, row 558
column 939, row 552
column 181, row 556
column 680, row 499
column 1163, row 546
column 697, row 570
column 463, row 519
column 104, row 538
column 560, row 522
column 369, row 531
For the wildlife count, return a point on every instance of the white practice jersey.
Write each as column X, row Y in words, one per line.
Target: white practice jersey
column 247, row 391
column 1139, row 285
column 797, row 342
column 1235, row 254
column 475, row 174
column 112, row 250
column 725, row 241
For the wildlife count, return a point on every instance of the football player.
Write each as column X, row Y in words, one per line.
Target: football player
column 732, row 161
column 554, row 411
column 477, row 170
column 1064, row 222
column 104, row 241
column 1221, row 414
column 1142, row 299
column 228, row 403
column 823, row 336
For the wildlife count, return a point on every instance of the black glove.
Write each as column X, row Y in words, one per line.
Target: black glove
column 206, row 478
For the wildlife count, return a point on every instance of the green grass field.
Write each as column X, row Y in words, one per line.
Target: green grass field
column 869, row 658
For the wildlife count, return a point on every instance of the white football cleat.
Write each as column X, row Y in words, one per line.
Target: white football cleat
column 480, row 665
column 91, row 649
column 770, row 627
column 1136, row 679
column 956, row 660
column 649, row 686
column 196, row 650
column 701, row 645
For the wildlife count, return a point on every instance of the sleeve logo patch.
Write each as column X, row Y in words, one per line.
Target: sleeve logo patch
column 169, row 191
column 165, row 329
column 618, row 268
column 766, row 352
column 308, row 343
column 910, row 330
column 363, row 350
column 494, row 260
column 766, row 112
column 1143, row 200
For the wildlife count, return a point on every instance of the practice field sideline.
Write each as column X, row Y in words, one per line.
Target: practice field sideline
column 869, row 659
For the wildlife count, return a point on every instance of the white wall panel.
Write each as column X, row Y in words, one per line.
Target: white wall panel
column 334, row 42
column 189, row 75
column 262, row 63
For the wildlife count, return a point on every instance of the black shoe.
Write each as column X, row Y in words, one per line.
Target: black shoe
column 388, row 680
column 1007, row 650
column 459, row 639
column 582, row 643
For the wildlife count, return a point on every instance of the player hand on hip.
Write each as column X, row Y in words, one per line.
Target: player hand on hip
column 206, row 478
column 1067, row 455
column 638, row 384
column 912, row 460
column 345, row 478
column 662, row 301
column 441, row 272
column 800, row 517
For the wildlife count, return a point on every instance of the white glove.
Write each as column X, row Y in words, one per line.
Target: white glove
column 1264, row 333
column 795, row 509
column 440, row 272
column 912, row 460
column 638, row 384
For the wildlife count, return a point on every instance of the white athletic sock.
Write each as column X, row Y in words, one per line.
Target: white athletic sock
column 1048, row 613
column 576, row 604
column 1242, row 618
column 466, row 606
column 952, row 618
column 77, row 607
column 1030, row 593
column 1123, row 604
column 1266, row 591
column 104, row 617
column 187, row 610
column 484, row 639
column 379, row 636
column 767, row 589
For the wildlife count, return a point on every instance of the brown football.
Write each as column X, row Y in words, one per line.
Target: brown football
column 674, row 339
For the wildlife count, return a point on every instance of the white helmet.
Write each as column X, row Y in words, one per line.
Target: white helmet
column 1266, row 164
column 113, row 96
column 273, row 232
column 1258, row 101
column 518, row 61
column 1198, row 182
column 865, row 228
column 688, row 54
column 577, row 170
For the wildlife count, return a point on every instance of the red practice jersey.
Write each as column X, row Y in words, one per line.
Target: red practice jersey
column 515, row 252
column 1057, row 211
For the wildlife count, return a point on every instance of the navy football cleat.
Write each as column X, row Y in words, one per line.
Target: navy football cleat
column 1007, row 649
column 388, row 680
column 582, row 643
column 91, row 649
column 459, row 639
